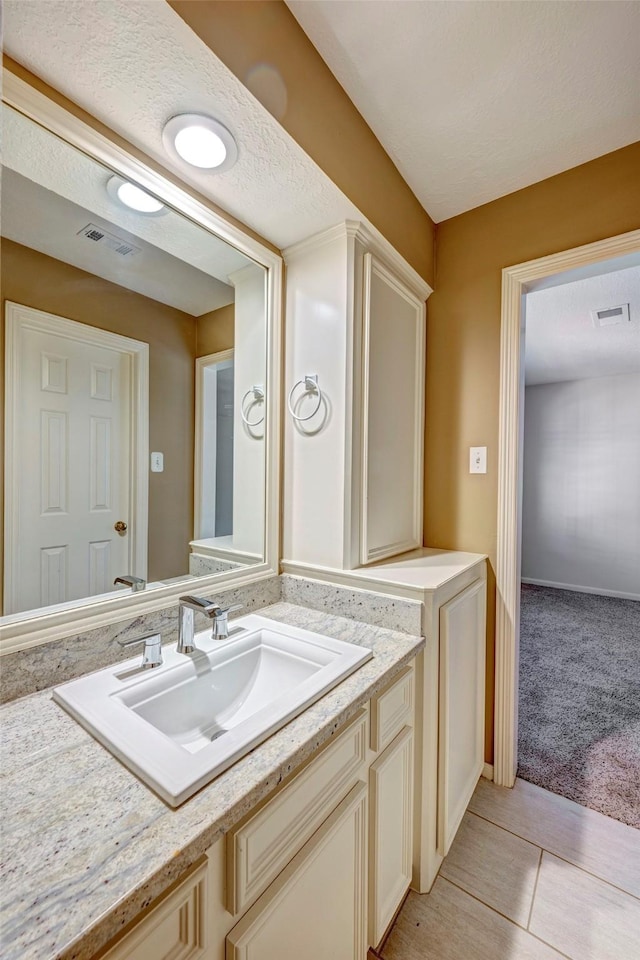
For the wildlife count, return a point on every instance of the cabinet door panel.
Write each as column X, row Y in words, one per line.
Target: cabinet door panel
column 393, row 415
column 391, row 818
column 392, row 709
column 262, row 845
column 316, row 908
column 176, row 929
column 462, row 680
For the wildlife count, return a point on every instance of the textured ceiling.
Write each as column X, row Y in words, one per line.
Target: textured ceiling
column 71, row 187
column 42, row 220
column 135, row 64
column 475, row 100
column 561, row 341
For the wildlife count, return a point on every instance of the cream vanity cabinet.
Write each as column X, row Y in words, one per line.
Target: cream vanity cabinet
column 450, row 587
column 318, row 870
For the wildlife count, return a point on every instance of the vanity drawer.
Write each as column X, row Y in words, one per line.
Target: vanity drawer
column 262, row 845
column 392, row 709
column 176, row 929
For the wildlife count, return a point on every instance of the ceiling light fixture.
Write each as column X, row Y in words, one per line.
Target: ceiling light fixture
column 200, row 141
column 134, row 197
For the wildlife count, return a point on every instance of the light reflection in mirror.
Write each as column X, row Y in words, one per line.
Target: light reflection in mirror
column 90, row 287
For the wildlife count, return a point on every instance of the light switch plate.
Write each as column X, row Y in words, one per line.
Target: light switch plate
column 157, row 462
column 477, row 459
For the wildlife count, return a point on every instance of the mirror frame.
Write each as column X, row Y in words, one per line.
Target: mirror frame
column 31, row 628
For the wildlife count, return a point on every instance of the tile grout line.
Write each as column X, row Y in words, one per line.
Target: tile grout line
column 483, row 902
column 571, row 863
column 535, row 936
column 535, row 890
column 504, row 917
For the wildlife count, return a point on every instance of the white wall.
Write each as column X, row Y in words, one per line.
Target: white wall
column 250, row 350
column 581, row 496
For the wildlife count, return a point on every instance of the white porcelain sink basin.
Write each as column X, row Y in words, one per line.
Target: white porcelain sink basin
column 181, row 724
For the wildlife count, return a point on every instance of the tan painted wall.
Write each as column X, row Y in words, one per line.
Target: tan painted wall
column 215, row 331
column 35, row 280
column 593, row 201
column 319, row 115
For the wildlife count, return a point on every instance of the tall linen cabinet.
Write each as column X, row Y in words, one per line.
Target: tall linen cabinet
column 354, row 379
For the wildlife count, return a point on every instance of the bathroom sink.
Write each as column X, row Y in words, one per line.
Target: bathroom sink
column 181, row 724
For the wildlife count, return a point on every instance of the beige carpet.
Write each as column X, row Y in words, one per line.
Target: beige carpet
column 579, row 714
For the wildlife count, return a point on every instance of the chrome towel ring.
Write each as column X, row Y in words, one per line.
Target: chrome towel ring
column 258, row 397
column 311, row 385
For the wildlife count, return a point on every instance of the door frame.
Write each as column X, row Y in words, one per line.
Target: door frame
column 20, row 318
column 516, row 282
column 210, row 360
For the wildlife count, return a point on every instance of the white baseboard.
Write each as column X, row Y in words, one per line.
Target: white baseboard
column 573, row 586
column 487, row 771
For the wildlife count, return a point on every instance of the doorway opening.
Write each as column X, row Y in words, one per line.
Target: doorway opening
column 567, row 266
column 579, row 687
column 214, row 446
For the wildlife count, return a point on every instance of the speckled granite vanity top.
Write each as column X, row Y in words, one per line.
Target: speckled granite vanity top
column 86, row 846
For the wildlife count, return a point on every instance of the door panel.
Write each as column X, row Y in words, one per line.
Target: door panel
column 316, row 909
column 462, row 682
column 70, row 482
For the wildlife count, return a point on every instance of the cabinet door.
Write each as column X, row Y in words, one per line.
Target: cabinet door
column 176, row 929
column 393, row 415
column 462, row 680
column 390, row 832
column 316, row 909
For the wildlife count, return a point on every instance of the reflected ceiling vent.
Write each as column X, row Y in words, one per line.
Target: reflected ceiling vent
column 98, row 236
column 611, row 315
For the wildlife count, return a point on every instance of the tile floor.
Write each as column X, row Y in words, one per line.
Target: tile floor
column 530, row 876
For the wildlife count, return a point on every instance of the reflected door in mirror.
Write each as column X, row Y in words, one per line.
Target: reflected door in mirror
column 70, row 442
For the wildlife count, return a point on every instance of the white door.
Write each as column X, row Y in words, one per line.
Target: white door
column 69, row 452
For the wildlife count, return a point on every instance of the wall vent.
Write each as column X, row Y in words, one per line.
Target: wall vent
column 610, row 315
column 97, row 235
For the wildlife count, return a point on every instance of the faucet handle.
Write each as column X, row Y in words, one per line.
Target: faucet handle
column 220, row 630
column 152, row 653
column 136, row 583
column 208, row 607
column 231, row 609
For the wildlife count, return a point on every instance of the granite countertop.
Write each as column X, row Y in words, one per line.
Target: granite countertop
column 86, row 845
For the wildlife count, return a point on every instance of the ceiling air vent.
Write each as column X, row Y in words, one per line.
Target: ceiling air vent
column 122, row 247
column 611, row 315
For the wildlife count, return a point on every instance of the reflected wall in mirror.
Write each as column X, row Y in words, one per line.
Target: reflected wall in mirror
column 135, row 361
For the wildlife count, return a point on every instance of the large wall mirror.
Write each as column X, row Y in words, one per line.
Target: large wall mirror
column 140, row 358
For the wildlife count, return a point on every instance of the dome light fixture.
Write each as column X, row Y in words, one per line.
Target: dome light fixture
column 200, row 141
column 134, row 197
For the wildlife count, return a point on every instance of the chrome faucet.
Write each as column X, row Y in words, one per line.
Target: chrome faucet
column 188, row 607
column 152, row 653
column 136, row 583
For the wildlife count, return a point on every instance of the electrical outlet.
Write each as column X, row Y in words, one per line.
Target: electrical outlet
column 157, row 462
column 477, row 459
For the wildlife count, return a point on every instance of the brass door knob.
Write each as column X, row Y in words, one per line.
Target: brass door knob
column 120, row 526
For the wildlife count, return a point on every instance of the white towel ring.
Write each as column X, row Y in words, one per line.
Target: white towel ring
column 258, row 395
column 310, row 385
